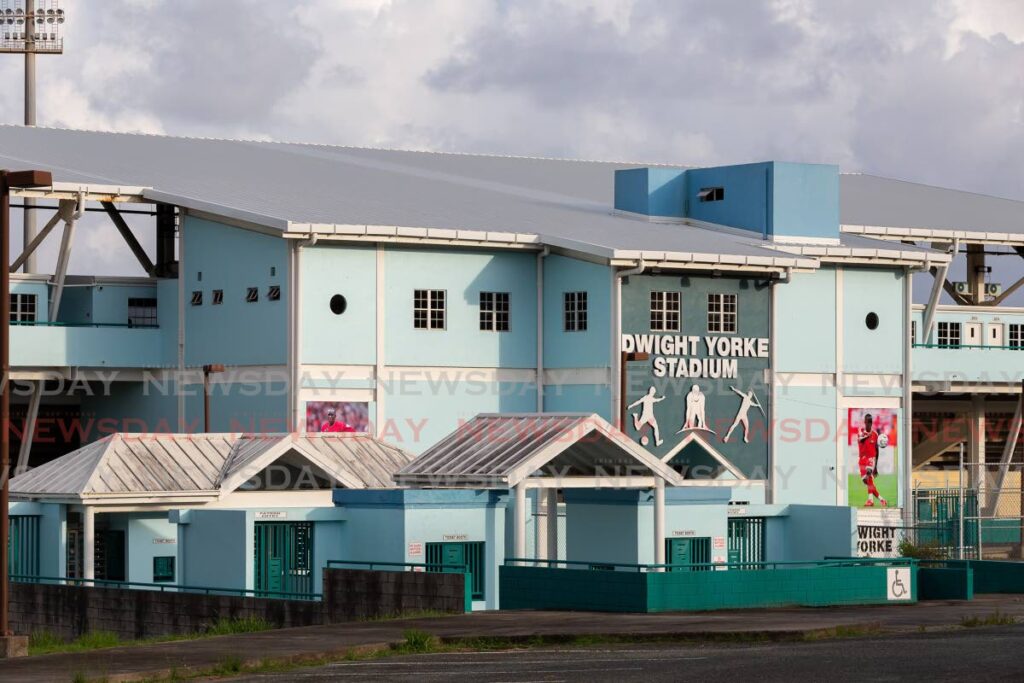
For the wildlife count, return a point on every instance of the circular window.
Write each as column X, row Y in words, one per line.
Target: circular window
column 338, row 304
column 871, row 321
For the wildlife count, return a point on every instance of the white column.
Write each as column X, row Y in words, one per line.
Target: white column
column 520, row 519
column 659, row 521
column 88, row 543
column 540, row 537
column 552, row 524
column 976, row 446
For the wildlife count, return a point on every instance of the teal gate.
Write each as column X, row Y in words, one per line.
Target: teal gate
column 23, row 546
column 688, row 551
column 938, row 521
column 746, row 540
column 469, row 555
column 283, row 560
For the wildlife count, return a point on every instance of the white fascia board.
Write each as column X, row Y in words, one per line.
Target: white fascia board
column 937, row 234
column 217, row 209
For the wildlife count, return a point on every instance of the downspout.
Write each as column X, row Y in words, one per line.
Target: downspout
column 541, row 255
column 618, row 379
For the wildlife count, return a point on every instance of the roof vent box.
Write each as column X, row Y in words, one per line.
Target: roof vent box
column 655, row 192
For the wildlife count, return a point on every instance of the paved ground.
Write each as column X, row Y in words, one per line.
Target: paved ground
column 991, row 654
column 296, row 644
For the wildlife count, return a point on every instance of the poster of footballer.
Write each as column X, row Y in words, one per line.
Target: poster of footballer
column 872, row 457
column 337, row 416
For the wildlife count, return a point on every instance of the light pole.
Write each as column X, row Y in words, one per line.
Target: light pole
column 31, row 27
column 7, row 181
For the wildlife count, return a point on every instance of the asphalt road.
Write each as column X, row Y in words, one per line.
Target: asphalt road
column 984, row 654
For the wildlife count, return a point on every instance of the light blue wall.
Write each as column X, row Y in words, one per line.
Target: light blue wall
column 813, row 532
column 110, row 301
column 746, row 193
column 167, row 319
column 52, row 534
column 349, row 338
column 119, row 347
column 805, row 323
column 214, row 549
column 40, row 289
column 589, row 349
column 986, row 364
column 463, row 275
column 651, row 191
column 233, row 259
column 422, row 412
column 880, row 291
column 144, row 533
column 578, row 398
column 804, row 443
column 805, row 200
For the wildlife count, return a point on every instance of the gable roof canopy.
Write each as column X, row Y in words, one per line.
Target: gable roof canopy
column 379, row 195
column 554, row 449
column 178, row 468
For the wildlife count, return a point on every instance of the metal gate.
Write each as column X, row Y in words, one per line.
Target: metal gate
column 688, row 551
column 283, row 560
column 746, row 540
column 23, row 546
column 461, row 556
column 937, row 516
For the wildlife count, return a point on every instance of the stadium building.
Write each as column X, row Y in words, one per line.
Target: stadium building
column 498, row 317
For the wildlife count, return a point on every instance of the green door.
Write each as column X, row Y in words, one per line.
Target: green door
column 283, row 557
column 688, row 551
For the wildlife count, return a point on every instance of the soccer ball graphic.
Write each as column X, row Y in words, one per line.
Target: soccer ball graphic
column 883, row 440
column 644, row 440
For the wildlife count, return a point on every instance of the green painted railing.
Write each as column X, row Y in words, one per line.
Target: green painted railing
column 413, row 566
column 165, row 587
column 790, row 564
column 954, row 347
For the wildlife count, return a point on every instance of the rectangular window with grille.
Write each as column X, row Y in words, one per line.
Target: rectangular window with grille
column 274, row 293
column 163, row 569
column 428, row 309
column 23, row 308
column 1016, row 333
column 949, row 334
column 457, row 556
column 746, row 540
column 218, row 297
column 574, row 311
column 722, row 313
column 142, row 311
column 665, row 311
column 252, row 295
column 494, row 311
column 197, row 298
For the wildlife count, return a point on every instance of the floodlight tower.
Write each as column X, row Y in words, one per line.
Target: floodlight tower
column 31, row 27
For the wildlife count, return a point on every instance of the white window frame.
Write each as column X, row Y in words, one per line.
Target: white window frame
column 430, row 309
column 1015, row 336
column 666, row 311
column 495, row 312
column 24, row 307
column 574, row 311
column 722, row 320
column 949, row 334
column 142, row 314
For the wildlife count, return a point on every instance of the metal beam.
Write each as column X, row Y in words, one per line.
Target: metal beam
column 1006, row 293
column 1004, row 462
column 940, row 283
column 129, row 236
column 62, row 213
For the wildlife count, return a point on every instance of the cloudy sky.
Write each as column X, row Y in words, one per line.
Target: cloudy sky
column 926, row 90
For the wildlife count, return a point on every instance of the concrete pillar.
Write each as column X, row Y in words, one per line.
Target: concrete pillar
column 520, row 520
column 552, row 524
column 976, row 446
column 659, row 521
column 88, row 543
column 976, row 273
column 540, row 536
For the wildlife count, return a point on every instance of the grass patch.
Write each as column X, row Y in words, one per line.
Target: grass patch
column 997, row 618
column 227, row 627
column 839, row 632
column 417, row 642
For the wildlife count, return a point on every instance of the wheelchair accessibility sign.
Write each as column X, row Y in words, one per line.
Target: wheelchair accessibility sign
column 897, row 583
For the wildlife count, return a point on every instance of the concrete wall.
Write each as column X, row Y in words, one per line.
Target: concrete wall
column 215, row 549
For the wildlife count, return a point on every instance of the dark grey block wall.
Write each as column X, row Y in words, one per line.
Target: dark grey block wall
column 69, row 611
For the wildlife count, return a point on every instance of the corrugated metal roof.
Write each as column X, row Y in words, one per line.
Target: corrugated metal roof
column 502, row 450
column 563, row 203
column 168, row 464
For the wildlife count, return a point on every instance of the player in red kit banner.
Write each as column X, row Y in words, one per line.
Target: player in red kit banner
column 332, row 425
column 868, row 444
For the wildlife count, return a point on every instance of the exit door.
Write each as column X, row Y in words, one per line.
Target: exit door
column 283, row 561
column 994, row 334
column 688, row 551
column 972, row 334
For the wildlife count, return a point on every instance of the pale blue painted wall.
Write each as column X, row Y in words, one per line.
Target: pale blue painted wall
column 167, row 319
column 968, row 364
column 813, row 532
column 463, row 275
column 349, row 338
column 590, row 349
column 804, row 443
column 86, row 347
column 52, row 534
column 143, row 533
column 805, row 317
column 655, row 191
column 214, row 549
column 578, row 398
column 233, row 259
column 745, row 206
column 805, row 200
column 41, row 291
column 879, row 291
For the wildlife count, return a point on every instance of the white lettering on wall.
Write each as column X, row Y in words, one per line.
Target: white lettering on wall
column 676, row 356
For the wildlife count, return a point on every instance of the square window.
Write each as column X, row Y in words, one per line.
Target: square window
column 23, row 308
column 574, row 311
column 494, row 311
column 711, row 194
column 142, row 312
column 197, row 298
column 163, row 569
column 428, row 309
column 252, row 295
column 274, row 293
column 723, row 313
column 218, row 297
column 949, row 335
column 665, row 311
column 1016, row 334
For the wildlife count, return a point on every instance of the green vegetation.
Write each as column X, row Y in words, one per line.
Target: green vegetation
column 417, row 642
column 926, row 551
column 47, row 642
column 997, row 618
